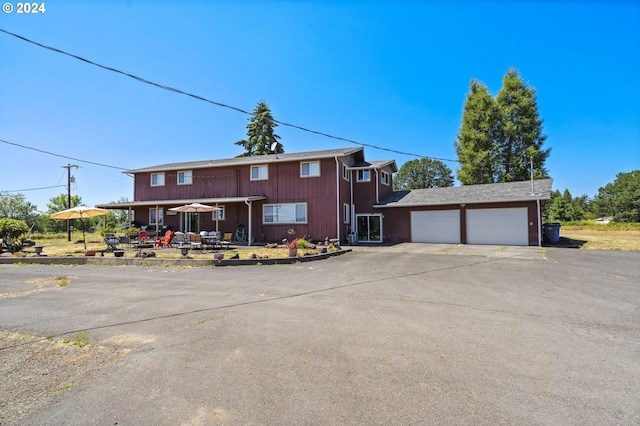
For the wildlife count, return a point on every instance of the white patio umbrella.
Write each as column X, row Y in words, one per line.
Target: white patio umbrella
column 79, row 212
column 194, row 208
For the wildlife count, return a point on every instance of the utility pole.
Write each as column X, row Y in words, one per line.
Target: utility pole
column 68, row 167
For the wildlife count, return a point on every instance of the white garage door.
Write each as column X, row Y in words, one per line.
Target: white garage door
column 440, row 226
column 498, row 226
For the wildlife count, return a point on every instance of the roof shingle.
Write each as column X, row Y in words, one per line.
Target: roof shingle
column 470, row 194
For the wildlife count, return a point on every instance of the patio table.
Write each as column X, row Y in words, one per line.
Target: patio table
column 210, row 242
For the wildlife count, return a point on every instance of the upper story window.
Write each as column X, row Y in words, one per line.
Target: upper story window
column 364, row 175
column 157, row 179
column 218, row 214
column 185, row 177
column 310, row 168
column 260, row 172
column 384, row 178
column 345, row 172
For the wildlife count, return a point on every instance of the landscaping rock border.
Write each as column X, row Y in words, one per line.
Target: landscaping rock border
column 154, row 261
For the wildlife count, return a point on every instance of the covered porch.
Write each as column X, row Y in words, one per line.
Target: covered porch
column 235, row 215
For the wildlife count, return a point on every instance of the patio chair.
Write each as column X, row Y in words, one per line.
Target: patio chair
column 195, row 240
column 143, row 239
column 165, row 241
column 226, row 239
column 179, row 239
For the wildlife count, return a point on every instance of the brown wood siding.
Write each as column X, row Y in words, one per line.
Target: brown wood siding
column 385, row 190
column 285, row 185
column 364, row 193
column 397, row 221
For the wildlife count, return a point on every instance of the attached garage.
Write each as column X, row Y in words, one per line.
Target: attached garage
column 508, row 213
column 503, row 226
column 436, row 226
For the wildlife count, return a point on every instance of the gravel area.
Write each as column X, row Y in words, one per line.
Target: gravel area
column 36, row 371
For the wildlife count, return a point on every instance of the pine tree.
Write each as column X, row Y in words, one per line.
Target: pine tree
column 260, row 133
column 476, row 144
column 520, row 135
column 499, row 136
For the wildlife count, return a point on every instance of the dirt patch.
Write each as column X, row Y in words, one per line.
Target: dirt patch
column 37, row 370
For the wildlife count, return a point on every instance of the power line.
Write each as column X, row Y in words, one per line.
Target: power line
column 171, row 89
column 33, row 189
column 62, row 156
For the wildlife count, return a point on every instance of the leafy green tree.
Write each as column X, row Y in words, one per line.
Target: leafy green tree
column 260, row 135
column 16, row 206
column 12, row 233
column 620, row 199
column 116, row 218
column 57, row 204
column 564, row 208
column 500, row 136
column 423, row 173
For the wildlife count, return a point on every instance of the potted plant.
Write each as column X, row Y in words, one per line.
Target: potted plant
column 292, row 246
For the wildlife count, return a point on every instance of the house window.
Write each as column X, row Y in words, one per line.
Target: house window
column 384, row 178
column 346, row 213
column 260, row 172
column 364, row 175
column 345, row 172
column 156, row 217
column 310, row 168
column 157, row 179
column 218, row 214
column 185, row 178
column 284, row 213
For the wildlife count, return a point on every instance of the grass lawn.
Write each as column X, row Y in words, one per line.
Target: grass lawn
column 59, row 246
column 602, row 237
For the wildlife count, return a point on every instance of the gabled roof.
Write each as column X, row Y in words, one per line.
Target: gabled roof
column 258, row 159
column 375, row 165
column 470, row 194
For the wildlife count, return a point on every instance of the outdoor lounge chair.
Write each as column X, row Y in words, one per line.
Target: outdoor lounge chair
column 165, row 241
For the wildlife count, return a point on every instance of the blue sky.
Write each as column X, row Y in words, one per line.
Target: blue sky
column 388, row 73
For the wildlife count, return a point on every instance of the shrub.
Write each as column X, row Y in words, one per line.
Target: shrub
column 12, row 233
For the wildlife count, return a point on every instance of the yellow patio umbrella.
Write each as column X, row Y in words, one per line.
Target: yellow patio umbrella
column 79, row 212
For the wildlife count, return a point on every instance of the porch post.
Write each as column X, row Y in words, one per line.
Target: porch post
column 248, row 203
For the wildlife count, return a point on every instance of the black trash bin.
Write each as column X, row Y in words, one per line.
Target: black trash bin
column 551, row 232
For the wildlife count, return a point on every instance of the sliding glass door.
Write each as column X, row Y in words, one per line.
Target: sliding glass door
column 369, row 228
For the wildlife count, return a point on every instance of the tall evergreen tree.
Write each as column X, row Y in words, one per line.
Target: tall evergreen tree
column 476, row 144
column 499, row 136
column 260, row 134
column 520, row 131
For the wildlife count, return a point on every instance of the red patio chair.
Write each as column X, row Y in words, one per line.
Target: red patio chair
column 166, row 240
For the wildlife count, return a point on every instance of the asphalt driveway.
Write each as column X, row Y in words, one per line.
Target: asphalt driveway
column 370, row 337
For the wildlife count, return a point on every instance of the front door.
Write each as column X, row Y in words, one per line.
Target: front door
column 369, row 228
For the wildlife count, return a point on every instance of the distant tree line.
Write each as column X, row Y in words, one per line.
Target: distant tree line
column 619, row 200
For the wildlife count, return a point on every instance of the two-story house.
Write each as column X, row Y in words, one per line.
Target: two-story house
column 319, row 194
column 333, row 194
